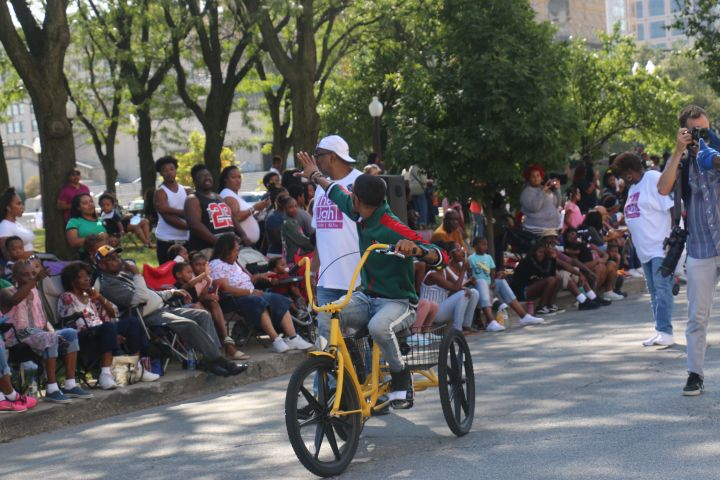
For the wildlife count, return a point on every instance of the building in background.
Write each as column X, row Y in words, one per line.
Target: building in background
column 574, row 18
column 649, row 22
column 20, row 129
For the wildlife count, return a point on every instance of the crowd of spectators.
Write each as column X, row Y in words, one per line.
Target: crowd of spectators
column 579, row 244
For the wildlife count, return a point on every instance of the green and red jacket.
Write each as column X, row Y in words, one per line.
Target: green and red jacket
column 385, row 276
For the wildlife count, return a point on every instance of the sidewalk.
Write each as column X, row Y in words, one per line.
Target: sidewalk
column 178, row 385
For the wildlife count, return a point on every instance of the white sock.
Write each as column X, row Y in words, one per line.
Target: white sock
column 591, row 295
column 12, row 396
column 105, row 371
column 70, row 383
column 581, row 298
column 53, row 387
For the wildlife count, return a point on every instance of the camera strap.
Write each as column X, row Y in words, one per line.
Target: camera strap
column 677, row 193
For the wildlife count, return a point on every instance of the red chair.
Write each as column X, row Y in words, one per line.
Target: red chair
column 161, row 277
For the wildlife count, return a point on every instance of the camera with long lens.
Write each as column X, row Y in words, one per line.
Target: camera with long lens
column 697, row 133
column 675, row 244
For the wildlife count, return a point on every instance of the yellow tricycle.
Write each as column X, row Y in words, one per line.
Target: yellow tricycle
column 334, row 392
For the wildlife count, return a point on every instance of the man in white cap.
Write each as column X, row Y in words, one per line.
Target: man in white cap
column 336, row 233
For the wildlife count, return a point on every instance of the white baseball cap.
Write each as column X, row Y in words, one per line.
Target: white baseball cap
column 338, row 146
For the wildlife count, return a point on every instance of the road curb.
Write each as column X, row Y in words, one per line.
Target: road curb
column 176, row 386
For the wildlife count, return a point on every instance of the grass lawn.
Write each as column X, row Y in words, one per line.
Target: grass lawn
column 138, row 253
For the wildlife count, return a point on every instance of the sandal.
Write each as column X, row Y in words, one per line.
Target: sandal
column 232, row 352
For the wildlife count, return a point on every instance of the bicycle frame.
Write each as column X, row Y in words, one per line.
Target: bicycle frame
column 371, row 389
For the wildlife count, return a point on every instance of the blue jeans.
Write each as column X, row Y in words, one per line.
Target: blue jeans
column 70, row 336
column 4, row 368
column 661, row 297
column 325, row 296
column 502, row 290
column 383, row 317
column 478, row 225
column 421, row 206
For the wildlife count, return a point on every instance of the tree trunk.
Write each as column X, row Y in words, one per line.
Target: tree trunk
column 56, row 160
column 148, row 175
column 214, row 140
column 490, row 228
column 4, row 177
column 306, row 121
column 108, row 163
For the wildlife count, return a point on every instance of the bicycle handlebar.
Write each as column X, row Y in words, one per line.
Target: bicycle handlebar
column 334, row 307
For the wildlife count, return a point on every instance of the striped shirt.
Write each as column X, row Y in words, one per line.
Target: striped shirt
column 703, row 213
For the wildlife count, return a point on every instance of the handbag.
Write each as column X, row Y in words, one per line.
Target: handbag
column 126, row 369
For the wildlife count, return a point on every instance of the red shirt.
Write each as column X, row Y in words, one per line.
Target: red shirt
column 68, row 192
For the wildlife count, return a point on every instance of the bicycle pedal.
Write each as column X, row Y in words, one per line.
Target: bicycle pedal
column 382, row 407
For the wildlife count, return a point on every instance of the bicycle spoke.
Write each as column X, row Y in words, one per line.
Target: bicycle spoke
column 311, row 400
column 333, row 442
column 310, row 421
column 319, row 434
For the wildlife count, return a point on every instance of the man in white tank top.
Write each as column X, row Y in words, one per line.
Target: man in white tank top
column 169, row 202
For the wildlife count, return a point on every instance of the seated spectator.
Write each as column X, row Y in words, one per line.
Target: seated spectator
column 23, row 307
column 69, row 191
column 244, row 213
column 178, row 253
column 598, row 261
column 10, row 400
column 12, row 208
column 535, row 278
column 482, row 267
column 450, row 230
column 573, row 216
column 570, row 278
column 123, row 285
column 447, row 288
column 14, row 252
column 83, row 222
column 267, row 311
column 198, row 287
column 294, row 241
column 282, row 272
column 117, row 226
column 600, row 233
column 274, row 223
column 99, row 326
column 539, row 201
column 207, row 214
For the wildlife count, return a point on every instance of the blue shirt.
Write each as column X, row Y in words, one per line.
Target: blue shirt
column 703, row 213
column 481, row 265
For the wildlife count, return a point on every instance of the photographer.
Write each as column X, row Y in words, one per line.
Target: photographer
column 540, row 201
column 647, row 215
column 700, row 183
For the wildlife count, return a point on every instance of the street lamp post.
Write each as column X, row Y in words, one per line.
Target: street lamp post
column 376, row 110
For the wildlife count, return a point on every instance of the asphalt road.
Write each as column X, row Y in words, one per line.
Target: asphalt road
column 577, row 398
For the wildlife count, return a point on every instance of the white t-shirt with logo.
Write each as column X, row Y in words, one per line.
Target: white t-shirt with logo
column 337, row 237
column 647, row 215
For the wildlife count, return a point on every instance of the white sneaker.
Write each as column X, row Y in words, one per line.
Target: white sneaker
column 149, row 376
column 107, row 382
column 530, row 320
column 651, row 341
column 612, row 296
column 494, row 326
column 636, row 272
column 664, row 339
column 279, row 345
column 299, row 343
